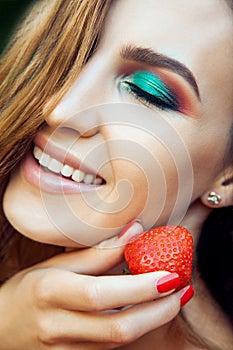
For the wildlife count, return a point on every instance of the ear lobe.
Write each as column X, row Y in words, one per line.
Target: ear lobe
column 220, row 194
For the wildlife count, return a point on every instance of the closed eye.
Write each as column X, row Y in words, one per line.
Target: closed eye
column 150, row 89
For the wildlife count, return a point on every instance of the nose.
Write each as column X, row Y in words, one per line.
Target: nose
column 79, row 107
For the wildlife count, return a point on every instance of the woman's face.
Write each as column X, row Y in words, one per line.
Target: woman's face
column 143, row 130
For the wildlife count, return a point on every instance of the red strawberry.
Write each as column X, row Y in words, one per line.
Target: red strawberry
column 167, row 248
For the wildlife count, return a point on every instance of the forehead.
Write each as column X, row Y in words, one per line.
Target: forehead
column 181, row 23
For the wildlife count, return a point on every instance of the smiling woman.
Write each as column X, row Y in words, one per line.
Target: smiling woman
column 109, row 125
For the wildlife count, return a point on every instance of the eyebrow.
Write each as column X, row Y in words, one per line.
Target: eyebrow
column 152, row 58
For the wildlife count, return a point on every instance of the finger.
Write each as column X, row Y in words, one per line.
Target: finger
column 120, row 327
column 95, row 260
column 87, row 293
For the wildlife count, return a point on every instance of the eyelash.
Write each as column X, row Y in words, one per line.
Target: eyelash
column 165, row 98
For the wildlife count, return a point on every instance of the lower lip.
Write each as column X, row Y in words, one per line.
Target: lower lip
column 48, row 181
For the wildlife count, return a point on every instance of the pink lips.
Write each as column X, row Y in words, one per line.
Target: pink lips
column 51, row 182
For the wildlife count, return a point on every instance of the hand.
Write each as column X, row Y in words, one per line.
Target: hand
column 64, row 304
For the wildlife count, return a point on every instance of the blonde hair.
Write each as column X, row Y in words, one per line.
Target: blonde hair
column 44, row 57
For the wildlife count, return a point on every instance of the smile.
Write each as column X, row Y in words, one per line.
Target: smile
column 65, row 170
column 50, row 175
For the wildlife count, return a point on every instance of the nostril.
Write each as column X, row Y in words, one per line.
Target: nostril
column 90, row 132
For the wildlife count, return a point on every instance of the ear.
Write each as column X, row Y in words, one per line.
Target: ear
column 220, row 193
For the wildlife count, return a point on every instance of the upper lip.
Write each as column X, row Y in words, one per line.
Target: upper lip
column 53, row 149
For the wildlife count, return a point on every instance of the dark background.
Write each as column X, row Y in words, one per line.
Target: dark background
column 11, row 12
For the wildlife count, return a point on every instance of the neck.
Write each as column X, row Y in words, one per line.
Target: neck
column 171, row 336
column 206, row 319
column 202, row 313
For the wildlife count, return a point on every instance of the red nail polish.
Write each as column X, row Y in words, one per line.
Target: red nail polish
column 125, row 229
column 186, row 295
column 168, row 282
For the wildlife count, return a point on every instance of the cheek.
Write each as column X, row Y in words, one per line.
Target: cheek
column 152, row 180
column 207, row 158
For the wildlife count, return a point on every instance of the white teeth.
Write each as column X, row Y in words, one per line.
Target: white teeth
column 78, row 175
column 55, row 166
column 44, row 159
column 88, row 179
column 37, row 152
column 66, row 170
column 97, row 181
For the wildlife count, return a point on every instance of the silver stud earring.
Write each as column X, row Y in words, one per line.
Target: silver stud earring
column 214, row 198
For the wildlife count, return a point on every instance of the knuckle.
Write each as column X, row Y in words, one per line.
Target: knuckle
column 42, row 288
column 93, row 295
column 46, row 332
column 121, row 332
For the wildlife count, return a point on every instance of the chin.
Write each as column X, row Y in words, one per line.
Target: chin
column 37, row 226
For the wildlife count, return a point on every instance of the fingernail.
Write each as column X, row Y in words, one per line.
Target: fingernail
column 186, row 295
column 168, row 282
column 126, row 228
column 132, row 229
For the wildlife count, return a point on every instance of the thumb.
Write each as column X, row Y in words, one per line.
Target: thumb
column 98, row 259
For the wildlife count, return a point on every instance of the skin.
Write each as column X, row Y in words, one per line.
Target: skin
column 142, row 182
